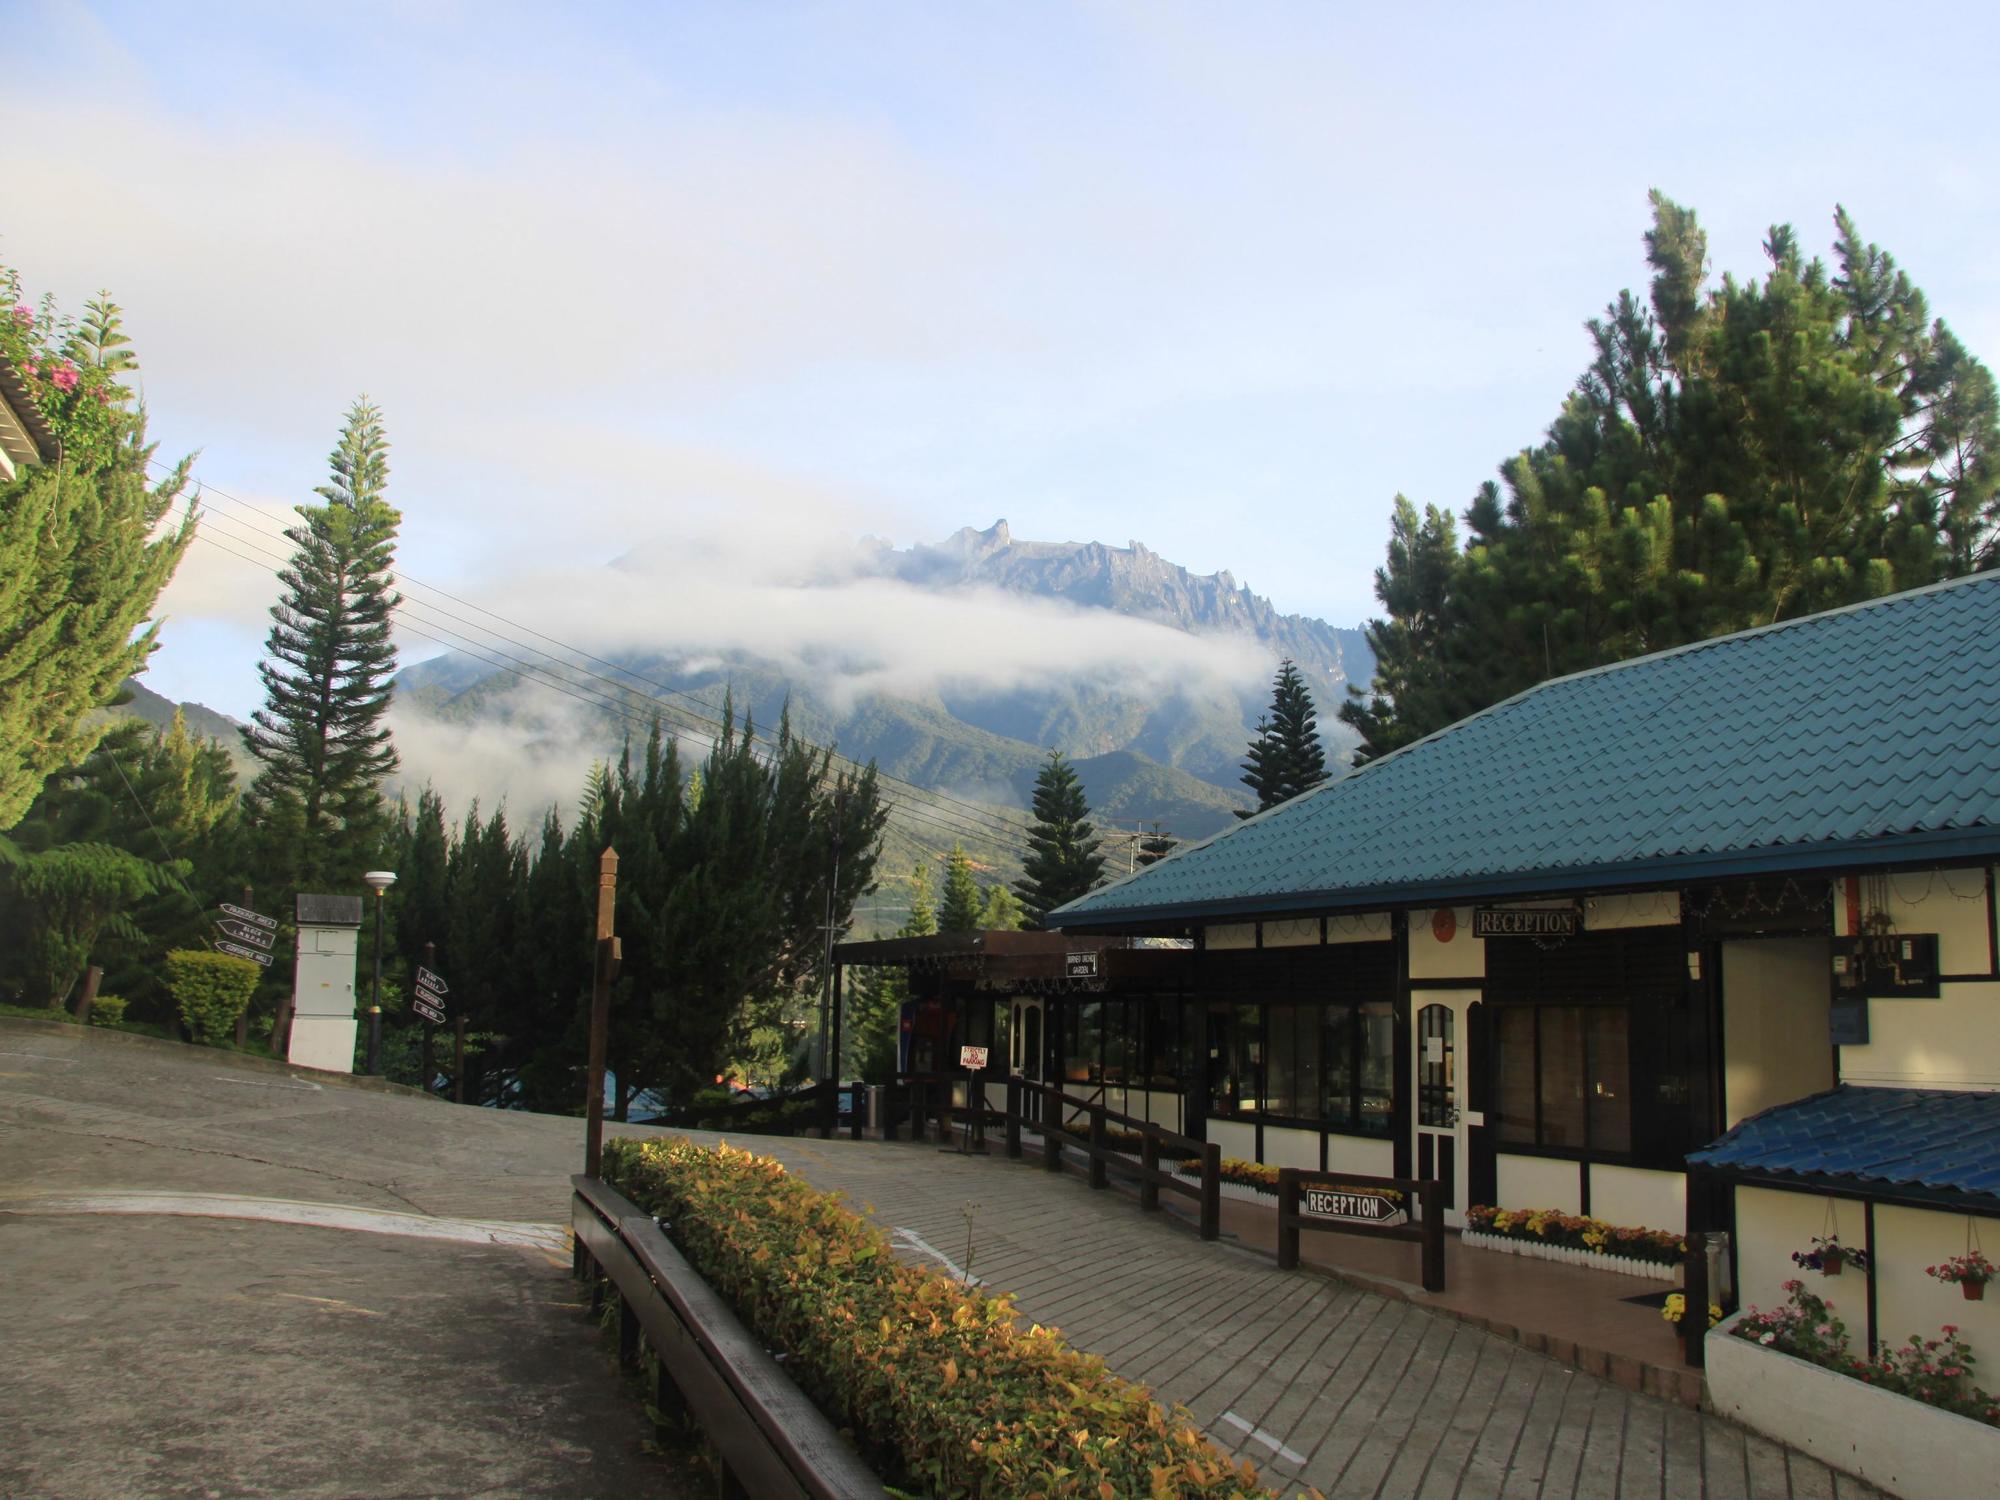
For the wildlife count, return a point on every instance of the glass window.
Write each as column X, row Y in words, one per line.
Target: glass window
column 1117, row 1019
column 1245, row 1072
column 1292, row 1069
column 1608, row 1074
column 1163, row 1047
column 1338, row 1032
column 1377, row 1082
column 1562, row 1076
column 1514, row 1046
column 1082, row 1059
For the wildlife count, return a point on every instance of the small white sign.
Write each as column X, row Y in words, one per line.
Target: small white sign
column 432, row 981
column 428, row 1012
column 972, row 1057
column 1434, row 1049
column 250, row 916
column 237, row 950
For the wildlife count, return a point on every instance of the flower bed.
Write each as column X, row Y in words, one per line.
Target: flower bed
column 1898, row 1420
column 944, row 1392
column 1549, row 1234
column 1257, row 1176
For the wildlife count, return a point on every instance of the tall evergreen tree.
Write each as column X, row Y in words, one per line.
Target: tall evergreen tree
column 1286, row 758
column 1063, row 862
column 1734, row 455
column 1000, row 911
column 83, row 555
column 962, row 905
column 320, row 736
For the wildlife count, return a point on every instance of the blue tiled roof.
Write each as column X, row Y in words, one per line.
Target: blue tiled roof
column 1936, row 1140
column 1847, row 738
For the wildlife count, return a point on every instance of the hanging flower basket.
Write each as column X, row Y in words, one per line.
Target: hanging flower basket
column 1975, row 1291
column 1831, row 1260
column 1971, row 1271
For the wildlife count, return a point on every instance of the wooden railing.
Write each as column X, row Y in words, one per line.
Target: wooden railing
column 1038, row 1108
column 1350, row 1199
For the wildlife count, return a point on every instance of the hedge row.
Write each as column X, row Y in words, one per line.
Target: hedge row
column 941, row 1387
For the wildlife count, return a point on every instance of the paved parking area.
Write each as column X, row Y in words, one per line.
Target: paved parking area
column 1358, row 1394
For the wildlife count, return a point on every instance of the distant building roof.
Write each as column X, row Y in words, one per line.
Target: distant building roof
column 1908, row 1142
column 329, row 911
column 1859, row 736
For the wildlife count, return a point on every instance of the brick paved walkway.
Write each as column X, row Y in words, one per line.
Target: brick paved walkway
column 1316, row 1381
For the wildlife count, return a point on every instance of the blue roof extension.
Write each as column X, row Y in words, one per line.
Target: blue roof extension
column 1918, row 1141
column 1860, row 736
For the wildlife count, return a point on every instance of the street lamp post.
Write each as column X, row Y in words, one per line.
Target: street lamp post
column 377, row 881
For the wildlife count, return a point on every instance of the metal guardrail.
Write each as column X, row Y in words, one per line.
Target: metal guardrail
column 1293, row 1183
column 771, row 1439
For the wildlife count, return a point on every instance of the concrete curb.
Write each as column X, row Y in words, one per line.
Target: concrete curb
column 93, row 1036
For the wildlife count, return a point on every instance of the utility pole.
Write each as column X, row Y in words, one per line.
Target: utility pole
column 429, row 1066
column 600, row 1007
column 829, row 1010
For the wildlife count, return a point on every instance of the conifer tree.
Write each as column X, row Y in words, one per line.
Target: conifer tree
column 1286, row 757
column 327, row 676
column 81, row 565
column 1063, row 862
column 962, row 905
column 1001, row 911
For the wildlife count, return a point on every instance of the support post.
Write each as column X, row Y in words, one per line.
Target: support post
column 429, row 1063
column 833, row 1067
column 94, row 976
column 1098, row 1146
column 600, row 1008
column 458, row 1059
column 1288, row 1218
column 1149, row 1163
column 1433, row 1237
column 242, row 1016
column 628, row 1335
column 1211, row 1191
column 1694, row 1291
column 1014, row 1118
column 1052, row 1136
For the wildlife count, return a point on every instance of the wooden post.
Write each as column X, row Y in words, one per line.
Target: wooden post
column 1098, row 1146
column 1052, row 1132
column 458, row 1059
column 242, row 1016
column 1211, row 1191
column 94, row 976
column 1433, row 1237
column 1288, row 1218
column 1694, row 1313
column 1149, row 1163
column 429, row 1064
column 1014, row 1118
column 600, row 1009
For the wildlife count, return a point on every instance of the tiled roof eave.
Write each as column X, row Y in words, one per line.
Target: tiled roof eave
column 1967, row 845
column 1854, row 1185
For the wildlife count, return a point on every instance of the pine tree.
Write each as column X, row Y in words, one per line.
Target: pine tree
column 1001, row 911
column 961, row 909
column 81, row 565
column 1286, row 757
column 1156, row 846
column 1063, row 862
column 327, row 676
column 1736, row 454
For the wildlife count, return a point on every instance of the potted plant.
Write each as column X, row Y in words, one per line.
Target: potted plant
column 1828, row 1256
column 1674, row 1310
column 1971, row 1271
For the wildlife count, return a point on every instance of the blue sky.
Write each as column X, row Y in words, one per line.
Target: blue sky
column 746, row 282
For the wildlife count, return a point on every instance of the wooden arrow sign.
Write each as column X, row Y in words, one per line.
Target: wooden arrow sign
column 257, row 937
column 248, row 915
column 428, row 1012
column 432, row 981
column 237, row 950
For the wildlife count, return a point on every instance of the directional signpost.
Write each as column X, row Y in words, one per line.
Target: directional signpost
column 245, row 933
column 428, row 1001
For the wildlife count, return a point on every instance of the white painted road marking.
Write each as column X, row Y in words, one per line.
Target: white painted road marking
column 42, row 1057
column 299, row 1084
column 1259, row 1435
column 312, row 1215
column 923, row 1247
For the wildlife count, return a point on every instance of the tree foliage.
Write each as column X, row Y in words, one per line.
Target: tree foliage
column 1286, row 757
column 962, row 906
column 1736, row 453
column 83, row 549
column 329, row 661
column 1063, row 862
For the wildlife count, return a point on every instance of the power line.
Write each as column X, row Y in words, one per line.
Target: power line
column 987, row 823
column 491, row 655
column 984, row 811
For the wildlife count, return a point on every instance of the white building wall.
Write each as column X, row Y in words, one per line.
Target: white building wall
column 1539, row 1182
column 1950, row 1042
column 1776, row 1046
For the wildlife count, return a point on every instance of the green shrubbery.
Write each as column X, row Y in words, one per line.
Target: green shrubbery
column 107, row 1010
column 210, row 990
column 939, row 1385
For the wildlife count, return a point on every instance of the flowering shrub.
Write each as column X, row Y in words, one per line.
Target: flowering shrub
column 1936, row 1371
column 940, row 1386
column 71, row 370
column 1675, row 1308
column 1972, row 1269
column 1550, row 1226
column 1259, row 1176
